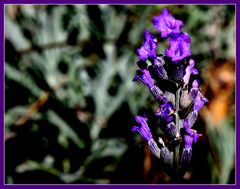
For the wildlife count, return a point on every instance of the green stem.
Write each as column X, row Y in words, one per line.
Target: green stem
column 176, row 150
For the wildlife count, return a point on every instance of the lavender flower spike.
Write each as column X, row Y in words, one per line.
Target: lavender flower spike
column 169, row 80
column 142, row 128
column 179, row 47
column 167, row 24
column 189, row 70
column 145, row 77
column 148, row 50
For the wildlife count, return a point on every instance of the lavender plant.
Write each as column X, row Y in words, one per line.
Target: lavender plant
column 170, row 79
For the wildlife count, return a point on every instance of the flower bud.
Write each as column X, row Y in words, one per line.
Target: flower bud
column 142, row 128
column 171, row 130
column 186, row 158
column 154, row 148
column 158, row 94
column 160, row 70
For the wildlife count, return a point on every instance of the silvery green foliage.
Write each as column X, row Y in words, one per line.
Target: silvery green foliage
column 55, row 47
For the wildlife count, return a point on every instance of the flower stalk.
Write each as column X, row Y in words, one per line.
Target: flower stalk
column 179, row 103
column 177, row 147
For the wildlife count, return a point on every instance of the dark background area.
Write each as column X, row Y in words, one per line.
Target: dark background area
column 70, row 100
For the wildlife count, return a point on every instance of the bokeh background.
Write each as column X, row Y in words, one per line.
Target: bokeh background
column 70, row 100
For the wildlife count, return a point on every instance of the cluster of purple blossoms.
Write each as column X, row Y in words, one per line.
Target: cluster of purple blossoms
column 170, row 79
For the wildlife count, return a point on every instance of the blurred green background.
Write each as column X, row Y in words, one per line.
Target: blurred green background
column 70, row 100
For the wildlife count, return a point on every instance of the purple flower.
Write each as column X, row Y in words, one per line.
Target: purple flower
column 145, row 77
column 167, row 24
column 190, row 135
column 189, row 70
column 188, row 141
column 142, row 128
column 166, row 110
column 179, row 47
column 194, row 90
column 199, row 101
column 148, row 50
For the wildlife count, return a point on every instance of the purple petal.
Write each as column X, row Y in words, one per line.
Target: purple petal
column 148, row 49
column 167, row 24
column 179, row 47
column 189, row 70
column 142, row 53
column 195, row 137
column 194, row 71
column 167, row 110
column 194, row 90
column 142, row 128
column 145, row 77
column 185, row 124
column 199, row 101
column 195, row 84
column 188, row 141
column 136, row 77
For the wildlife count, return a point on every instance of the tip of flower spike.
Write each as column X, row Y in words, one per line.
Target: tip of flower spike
column 167, row 24
column 165, row 11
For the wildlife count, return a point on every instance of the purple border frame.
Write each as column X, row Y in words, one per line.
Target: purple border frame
column 235, row 2
column 120, row 2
